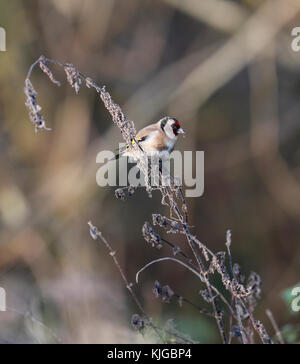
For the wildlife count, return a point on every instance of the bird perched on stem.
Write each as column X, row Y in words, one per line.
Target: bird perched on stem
column 156, row 139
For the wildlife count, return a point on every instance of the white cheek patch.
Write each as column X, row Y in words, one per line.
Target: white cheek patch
column 170, row 134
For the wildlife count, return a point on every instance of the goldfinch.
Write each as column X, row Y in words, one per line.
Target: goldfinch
column 155, row 139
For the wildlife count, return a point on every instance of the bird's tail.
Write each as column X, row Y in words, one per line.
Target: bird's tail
column 116, row 157
column 122, row 151
column 119, row 153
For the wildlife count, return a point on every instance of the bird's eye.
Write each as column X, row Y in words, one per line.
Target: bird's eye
column 176, row 126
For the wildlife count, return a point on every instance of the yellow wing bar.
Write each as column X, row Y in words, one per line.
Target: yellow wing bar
column 138, row 139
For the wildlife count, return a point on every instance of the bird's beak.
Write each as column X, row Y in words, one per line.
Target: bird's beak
column 180, row 131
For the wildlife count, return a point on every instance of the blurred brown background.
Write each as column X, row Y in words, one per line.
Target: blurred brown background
column 226, row 70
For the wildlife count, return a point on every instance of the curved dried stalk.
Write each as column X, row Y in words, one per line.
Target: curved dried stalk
column 165, row 259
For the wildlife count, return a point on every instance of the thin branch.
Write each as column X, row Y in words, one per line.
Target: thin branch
column 165, row 259
column 275, row 326
column 189, row 260
column 95, row 233
column 240, row 323
column 199, row 309
column 235, row 299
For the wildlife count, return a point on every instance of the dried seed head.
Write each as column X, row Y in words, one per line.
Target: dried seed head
column 238, row 289
column 93, row 231
column 218, row 264
column 254, row 285
column 137, row 322
column 263, row 333
column 238, row 274
column 73, row 76
column 123, row 193
column 126, row 126
column 206, row 296
column 34, row 109
column 90, row 83
column 166, row 223
column 131, row 190
column 159, row 220
column 165, row 292
column 228, row 238
column 44, row 67
column 151, row 237
column 120, row 194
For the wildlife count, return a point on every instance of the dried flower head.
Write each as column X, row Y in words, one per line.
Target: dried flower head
column 34, row 109
column 162, row 221
column 238, row 274
column 163, row 292
column 44, row 67
column 73, row 76
column 238, row 289
column 206, row 296
column 137, row 322
column 263, row 333
column 151, row 237
column 218, row 265
column 131, row 190
column 126, row 126
column 254, row 285
column 120, row 194
column 94, row 232
column 228, row 238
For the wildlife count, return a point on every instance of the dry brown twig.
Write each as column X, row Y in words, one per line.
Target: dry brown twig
column 205, row 265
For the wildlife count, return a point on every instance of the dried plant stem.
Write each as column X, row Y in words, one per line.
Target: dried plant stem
column 199, row 309
column 231, row 322
column 190, row 262
column 235, row 299
column 96, row 233
column 112, row 253
column 240, row 323
column 275, row 326
column 163, row 260
column 258, row 326
column 204, row 277
column 240, row 302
